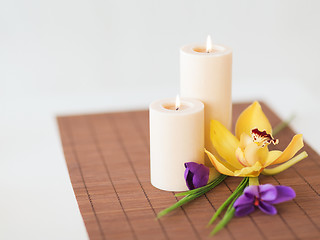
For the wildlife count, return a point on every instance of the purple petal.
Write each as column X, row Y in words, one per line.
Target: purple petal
column 268, row 192
column 284, row 194
column 244, row 210
column 196, row 175
column 188, row 176
column 186, row 172
column 267, row 208
column 192, row 166
column 251, row 191
column 200, row 180
column 243, row 200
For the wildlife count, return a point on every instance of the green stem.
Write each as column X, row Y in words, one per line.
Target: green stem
column 240, row 187
column 191, row 195
column 176, row 205
column 218, row 179
column 254, row 181
column 229, row 213
column 282, row 126
column 238, row 195
column 284, row 166
column 225, row 220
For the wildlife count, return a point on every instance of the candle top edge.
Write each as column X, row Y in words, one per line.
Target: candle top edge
column 198, row 49
column 192, row 106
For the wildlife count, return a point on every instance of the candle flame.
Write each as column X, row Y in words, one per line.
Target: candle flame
column 178, row 102
column 209, row 45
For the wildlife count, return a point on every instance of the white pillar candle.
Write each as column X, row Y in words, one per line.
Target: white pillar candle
column 206, row 74
column 176, row 137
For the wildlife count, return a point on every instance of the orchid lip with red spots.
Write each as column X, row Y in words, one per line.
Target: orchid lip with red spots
column 263, row 137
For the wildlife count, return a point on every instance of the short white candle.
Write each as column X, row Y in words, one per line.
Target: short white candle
column 206, row 74
column 176, row 137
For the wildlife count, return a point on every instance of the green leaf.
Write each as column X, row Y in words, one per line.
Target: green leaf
column 230, row 210
column 205, row 190
column 226, row 218
column 214, row 183
column 193, row 194
column 176, row 205
column 240, row 187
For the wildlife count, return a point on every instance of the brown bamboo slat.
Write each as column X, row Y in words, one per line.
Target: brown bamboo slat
column 108, row 161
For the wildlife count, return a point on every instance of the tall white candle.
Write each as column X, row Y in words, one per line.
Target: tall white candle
column 176, row 137
column 206, row 74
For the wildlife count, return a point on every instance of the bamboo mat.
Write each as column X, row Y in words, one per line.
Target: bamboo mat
column 108, row 160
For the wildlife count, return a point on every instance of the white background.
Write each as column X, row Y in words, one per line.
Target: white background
column 75, row 56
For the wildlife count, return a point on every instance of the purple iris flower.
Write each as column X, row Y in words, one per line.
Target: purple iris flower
column 262, row 197
column 196, row 175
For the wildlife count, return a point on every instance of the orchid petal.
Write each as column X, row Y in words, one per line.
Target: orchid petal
column 254, row 153
column 286, row 165
column 253, row 171
column 272, row 156
column 245, row 140
column 284, row 194
column 244, row 210
column 224, row 142
column 268, row 192
column 252, row 117
column 294, row 146
column 241, row 158
column 267, row 208
column 213, row 174
column 222, row 167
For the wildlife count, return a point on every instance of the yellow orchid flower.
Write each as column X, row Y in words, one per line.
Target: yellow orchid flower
column 246, row 154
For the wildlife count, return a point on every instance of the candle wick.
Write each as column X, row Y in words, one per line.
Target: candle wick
column 177, row 108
